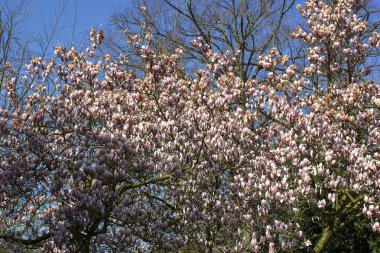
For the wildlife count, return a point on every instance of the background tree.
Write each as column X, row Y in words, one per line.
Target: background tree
column 13, row 47
column 245, row 26
column 18, row 47
column 249, row 27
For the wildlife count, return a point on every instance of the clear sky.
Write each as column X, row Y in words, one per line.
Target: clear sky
column 75, row 18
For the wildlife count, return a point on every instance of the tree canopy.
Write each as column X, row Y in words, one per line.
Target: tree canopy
column 99, row 158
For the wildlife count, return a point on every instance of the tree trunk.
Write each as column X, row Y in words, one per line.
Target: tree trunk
column 322, row 242
column 85, row 247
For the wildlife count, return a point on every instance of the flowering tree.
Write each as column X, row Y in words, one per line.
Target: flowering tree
column 102, row 160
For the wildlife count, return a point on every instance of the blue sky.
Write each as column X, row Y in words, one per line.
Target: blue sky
column 75, row 18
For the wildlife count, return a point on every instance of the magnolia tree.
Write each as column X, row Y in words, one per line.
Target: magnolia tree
column 104, row 161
